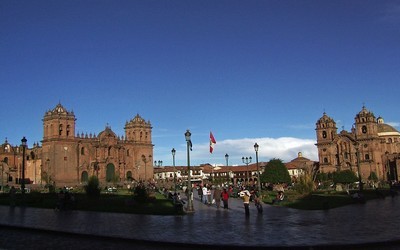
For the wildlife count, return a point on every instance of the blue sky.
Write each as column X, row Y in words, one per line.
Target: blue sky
column 249, row 71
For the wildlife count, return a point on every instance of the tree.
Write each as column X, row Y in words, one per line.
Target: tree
column 345, row 177
column 373, row 177
column 275, row 172
column 305, row 184
column 92, row 188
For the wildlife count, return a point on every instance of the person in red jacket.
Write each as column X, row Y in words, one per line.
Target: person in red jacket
column 225, row 197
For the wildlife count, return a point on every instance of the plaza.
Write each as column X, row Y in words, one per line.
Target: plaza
column 372, row 225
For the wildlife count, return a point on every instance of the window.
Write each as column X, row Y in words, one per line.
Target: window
column 325, row 160
column 364, row 129
column 367, row 157
column 60, row 129
column 323, row 134
column 68, row 127
column 82, row 151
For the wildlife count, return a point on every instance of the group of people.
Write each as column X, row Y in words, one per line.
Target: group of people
column 209, row 195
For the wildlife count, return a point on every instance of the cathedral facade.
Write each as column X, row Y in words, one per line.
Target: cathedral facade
column 370, row 146
column 67, row 158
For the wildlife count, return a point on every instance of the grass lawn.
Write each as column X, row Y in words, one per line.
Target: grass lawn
column 319, row 200
column 118, row 203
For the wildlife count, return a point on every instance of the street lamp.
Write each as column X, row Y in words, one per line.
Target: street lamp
column 247, row 161
column 158, row 164
column 360, row 185
column 189, row 145
column 173, row 151
column 145, row 160
column 258, row 170
column 227, row 173
column 23, row 141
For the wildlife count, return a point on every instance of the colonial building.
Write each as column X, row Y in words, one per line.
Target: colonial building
column 67, row 158
column 370, row 146
column 301, row 165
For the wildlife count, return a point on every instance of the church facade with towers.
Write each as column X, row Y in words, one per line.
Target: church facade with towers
column 370, row 147
column 69, row 158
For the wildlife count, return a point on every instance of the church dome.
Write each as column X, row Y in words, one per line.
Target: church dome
column 107, row 133
column 386, row 128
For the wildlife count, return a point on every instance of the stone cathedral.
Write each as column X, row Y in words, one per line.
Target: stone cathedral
column 68, row 158
column 370, row 146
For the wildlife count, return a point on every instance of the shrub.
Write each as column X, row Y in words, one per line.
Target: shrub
column 305, row 184
column 92, row 188
column 140, row 194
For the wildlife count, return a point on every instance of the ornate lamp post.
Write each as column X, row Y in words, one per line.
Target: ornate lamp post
column 227, row 173
column 23, row 141
column 173, row 151
column 158, row 163
column 247, row 161
column 258, row 170
column 145, row 160
column 360, row 185
column 189, row 146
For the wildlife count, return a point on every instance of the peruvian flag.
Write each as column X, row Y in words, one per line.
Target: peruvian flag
column 212, row 142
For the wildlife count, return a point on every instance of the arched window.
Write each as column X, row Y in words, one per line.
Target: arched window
column 60, row 129
column 366, row 156
column 323, row 134
column 129, row 176
column 84, row 176
column 32, row 155
column 325, row 160
column 68, row 127
column 364, row 129
column 83, row 151
column 127, row 152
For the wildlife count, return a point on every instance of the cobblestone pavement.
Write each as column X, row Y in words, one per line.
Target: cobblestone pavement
column 373, row 225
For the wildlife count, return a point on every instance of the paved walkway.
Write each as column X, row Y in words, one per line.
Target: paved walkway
column 358, row 224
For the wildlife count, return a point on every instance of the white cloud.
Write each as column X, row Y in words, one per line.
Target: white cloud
column 285, row 148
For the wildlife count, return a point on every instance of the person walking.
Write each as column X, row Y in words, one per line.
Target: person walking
column 217, row 196
column 225, row 197
column 245, row 195
column 200, row 193
column 209, row 195
column 204, row 189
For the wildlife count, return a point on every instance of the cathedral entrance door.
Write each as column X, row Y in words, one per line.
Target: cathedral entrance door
column 84, row 176
column 110, row 172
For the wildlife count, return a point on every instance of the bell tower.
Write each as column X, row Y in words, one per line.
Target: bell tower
column 326, row 129
column 326, row 133
column 365, row 125
column 138, row 130
column 58, row 124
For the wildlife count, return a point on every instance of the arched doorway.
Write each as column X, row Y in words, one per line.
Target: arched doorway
column 110, row 172
column 129, row 176
column 84, row 176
